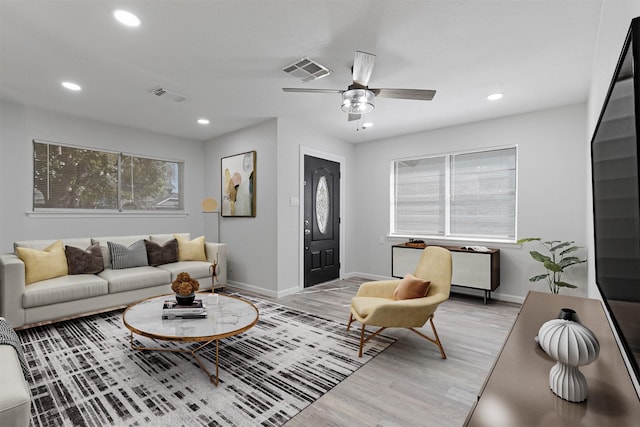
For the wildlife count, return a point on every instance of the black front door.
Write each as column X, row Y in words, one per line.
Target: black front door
column 321, row 220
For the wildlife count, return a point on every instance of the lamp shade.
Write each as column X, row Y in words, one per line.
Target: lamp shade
column 571, row 345
column 357, row 101
column 209, row 205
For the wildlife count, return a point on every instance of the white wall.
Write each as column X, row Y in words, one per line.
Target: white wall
column 614, row 24
column 19, row 125
column 551, row 173
column 251, row 242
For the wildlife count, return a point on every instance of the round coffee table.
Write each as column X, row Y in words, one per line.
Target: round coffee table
column 229, row 316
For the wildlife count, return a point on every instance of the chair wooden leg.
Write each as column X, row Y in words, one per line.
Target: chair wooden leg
column 364, row 340
column 350, row 320
column 436, row 341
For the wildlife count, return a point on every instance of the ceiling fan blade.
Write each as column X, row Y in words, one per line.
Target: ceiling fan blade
column 353, row 117
column 295, row 89
column 418, row 94
column 363, row 67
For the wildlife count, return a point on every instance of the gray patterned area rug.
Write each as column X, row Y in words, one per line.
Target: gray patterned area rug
column 83, row 372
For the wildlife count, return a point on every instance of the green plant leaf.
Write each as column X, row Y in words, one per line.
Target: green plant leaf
column 571, row 249
column 539, row 257
column 565, row 285
column 527, row 239
column 550, row 265
column 566, row 262
column 560, row 246
column 539, row 277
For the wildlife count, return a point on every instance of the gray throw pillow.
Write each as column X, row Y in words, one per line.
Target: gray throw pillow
column 162, row 254
column 82, row 261
column 127, row 257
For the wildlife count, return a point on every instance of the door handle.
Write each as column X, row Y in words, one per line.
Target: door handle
column 307, row 231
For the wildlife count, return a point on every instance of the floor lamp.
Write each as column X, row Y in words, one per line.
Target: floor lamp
column 210, row 205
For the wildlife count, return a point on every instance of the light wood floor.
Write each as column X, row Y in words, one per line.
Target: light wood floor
column 409, row 384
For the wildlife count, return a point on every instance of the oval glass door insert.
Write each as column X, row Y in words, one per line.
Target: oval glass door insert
column 322, row 205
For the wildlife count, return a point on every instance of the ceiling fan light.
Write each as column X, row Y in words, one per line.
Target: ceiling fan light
column 358, row 101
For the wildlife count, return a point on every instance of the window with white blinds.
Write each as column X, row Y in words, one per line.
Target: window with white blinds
column 463, row 195
column 77, row 178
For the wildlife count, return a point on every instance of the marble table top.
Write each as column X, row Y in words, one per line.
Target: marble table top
column 226, row 316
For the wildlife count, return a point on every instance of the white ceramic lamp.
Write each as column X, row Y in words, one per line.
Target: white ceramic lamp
column 572, row 345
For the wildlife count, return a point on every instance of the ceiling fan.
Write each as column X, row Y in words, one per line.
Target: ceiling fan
column 358, row 98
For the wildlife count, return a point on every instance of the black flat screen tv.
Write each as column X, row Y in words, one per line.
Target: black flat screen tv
column 616, row 198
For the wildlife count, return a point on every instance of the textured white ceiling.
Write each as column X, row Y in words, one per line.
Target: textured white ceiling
column 227, row 55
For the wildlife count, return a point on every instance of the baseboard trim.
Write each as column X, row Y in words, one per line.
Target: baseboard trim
column 263, row 291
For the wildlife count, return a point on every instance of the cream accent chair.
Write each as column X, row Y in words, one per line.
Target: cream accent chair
column 374, row 304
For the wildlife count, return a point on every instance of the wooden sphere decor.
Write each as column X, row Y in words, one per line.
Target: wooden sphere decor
column 571, row 345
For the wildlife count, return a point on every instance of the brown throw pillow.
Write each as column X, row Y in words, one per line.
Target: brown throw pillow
column 411, row 287
column 161, row 254
column 80, row 261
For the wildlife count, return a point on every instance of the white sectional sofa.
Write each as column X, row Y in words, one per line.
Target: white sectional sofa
column 15, row 397
column 73, row 295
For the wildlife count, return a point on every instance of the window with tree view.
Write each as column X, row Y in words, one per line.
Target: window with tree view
column 66, row 177
column 469, row 195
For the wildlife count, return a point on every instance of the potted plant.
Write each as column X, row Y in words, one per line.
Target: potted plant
column 559, row 258
column 185, row 287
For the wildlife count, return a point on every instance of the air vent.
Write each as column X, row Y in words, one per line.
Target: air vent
column 307, row 70
column 168, row 94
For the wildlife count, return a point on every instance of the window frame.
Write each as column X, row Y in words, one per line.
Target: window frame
column 448, row 178
column 37, row 211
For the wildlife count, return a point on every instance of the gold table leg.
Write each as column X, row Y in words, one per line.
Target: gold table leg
column 212, row 378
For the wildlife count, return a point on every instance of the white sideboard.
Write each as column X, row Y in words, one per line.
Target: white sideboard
column 471, row 269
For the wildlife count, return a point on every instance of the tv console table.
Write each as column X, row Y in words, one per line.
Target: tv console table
column 471, row 269
column 516, row 392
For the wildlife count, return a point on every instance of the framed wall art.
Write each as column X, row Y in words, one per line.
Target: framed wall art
column 239, row 185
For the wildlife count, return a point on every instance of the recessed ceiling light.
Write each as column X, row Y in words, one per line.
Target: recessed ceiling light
column 494, row 96
column 367, row 125
column 126, row 18
column 203, row 121
column 71, row 86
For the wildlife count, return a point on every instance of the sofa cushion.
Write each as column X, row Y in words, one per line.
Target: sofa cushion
column 82, row 261
column 46, row 264
column 134, row 255
column 134, row 278
column 161, row 254
column 411, row 287
column 191, row 250
column 123, row 240
column 196, row 269
column 63, row 289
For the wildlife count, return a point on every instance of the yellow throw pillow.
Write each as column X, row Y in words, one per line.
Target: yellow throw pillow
column 411, row 287
column 190, row 250
column 42, row 265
